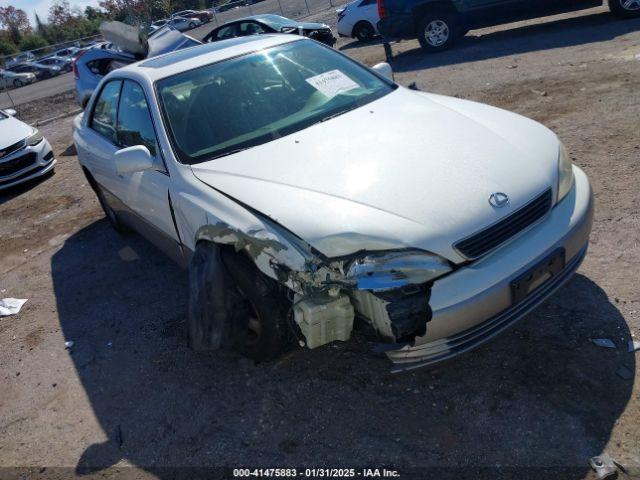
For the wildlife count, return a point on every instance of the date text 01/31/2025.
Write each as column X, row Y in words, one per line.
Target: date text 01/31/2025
column 315, row 472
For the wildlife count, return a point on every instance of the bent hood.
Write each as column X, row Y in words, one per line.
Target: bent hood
column 410, row 170
column 13, row 131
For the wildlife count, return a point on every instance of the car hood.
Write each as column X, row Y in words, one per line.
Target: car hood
column 13, row 131
column 410, row 170
column 312, row 25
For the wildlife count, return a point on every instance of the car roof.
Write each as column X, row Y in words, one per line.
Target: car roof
column 189, row 58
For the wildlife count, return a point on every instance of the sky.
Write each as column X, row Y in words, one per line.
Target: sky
column 41, row 7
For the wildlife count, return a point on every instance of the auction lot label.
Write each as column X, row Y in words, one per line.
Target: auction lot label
column 332, row 83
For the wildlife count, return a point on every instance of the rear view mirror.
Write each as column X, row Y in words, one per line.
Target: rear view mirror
column 133, row 159
column 11, row 112
column 385, row 70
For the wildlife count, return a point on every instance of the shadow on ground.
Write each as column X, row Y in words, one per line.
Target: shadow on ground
column 567, row 32
column 542, row 395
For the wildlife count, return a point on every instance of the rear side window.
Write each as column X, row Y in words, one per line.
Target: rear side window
column 134, row 119
column 226, row 32
column 105, row 112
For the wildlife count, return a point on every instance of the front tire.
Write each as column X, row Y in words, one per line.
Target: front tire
column 363, row 31
column 437, row 31
column 192, row 26
column 268, row 335
column 17, row 83
column 625, row 8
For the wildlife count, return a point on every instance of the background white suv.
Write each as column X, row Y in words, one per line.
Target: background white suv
column 358, row 20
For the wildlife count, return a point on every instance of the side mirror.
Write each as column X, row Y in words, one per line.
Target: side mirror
column 384, row 69
column 133, row 159
column 11, row 112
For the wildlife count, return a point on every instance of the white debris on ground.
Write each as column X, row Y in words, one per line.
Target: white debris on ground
column 11, row 306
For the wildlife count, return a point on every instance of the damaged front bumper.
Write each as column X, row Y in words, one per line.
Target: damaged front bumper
column 474, row 303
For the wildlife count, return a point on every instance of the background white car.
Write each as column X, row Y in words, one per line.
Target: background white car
column 184, row 23
column 358, row 20
column 24, row 153
column 11, row 79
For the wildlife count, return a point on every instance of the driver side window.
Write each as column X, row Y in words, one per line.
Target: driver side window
column 135, row 126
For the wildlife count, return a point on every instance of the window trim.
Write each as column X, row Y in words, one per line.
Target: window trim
column 95, row 104
column 159, row 155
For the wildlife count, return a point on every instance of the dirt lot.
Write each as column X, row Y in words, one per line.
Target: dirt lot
column 130, row 399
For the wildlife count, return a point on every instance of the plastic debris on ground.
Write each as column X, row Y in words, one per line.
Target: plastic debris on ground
column 11, row 306
column 68, row 344
column 603, row 465
column 604, row 342
column 634, row 345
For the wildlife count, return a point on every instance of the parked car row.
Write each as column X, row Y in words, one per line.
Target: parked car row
column 26, row 68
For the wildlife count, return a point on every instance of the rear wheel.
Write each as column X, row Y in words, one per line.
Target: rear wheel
column 437, row 31
column 625, row 8
column 363, row 31
column 192, row 26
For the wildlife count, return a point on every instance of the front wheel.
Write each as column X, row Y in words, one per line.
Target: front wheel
column 437, row 31
column 625, row 8
column 192, row 26
column 363, row 31
column 17, row 83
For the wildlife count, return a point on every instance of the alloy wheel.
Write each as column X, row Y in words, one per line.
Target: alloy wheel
column 630, row 5
column 437, row 32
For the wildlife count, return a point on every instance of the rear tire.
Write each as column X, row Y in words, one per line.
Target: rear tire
column 364, row 31
column 192, row 26
column 437, row 31
column 625, row 8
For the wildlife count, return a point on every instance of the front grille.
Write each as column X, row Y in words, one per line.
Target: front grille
column 16, row 164
column 489, row 238
column 11, row 148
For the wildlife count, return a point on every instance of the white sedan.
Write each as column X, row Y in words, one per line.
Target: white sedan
column 302, row 188
column 24, row 153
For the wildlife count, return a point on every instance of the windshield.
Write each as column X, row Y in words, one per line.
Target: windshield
column 225, row 107
column 276, row 21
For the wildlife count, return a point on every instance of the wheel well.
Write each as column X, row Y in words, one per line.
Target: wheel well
column 420, row 11
column 360, row 22
column 89, row 177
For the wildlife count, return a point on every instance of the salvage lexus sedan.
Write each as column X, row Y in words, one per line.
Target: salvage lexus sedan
column 302, row 189
column 24, row 153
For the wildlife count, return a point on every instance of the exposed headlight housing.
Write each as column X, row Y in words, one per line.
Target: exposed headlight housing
column 35, row 138
column 391, row 270
column 565, row 173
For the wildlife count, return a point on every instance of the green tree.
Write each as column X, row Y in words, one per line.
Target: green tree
column 7, row 47
column 15, row 21
column 32, row 42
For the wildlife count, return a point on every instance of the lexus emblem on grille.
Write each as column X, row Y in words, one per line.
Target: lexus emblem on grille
column 498, row 199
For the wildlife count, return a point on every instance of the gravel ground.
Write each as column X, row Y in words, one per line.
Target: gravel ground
column 130, row 399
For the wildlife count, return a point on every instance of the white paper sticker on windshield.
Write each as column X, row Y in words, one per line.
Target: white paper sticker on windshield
column 332, row 83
